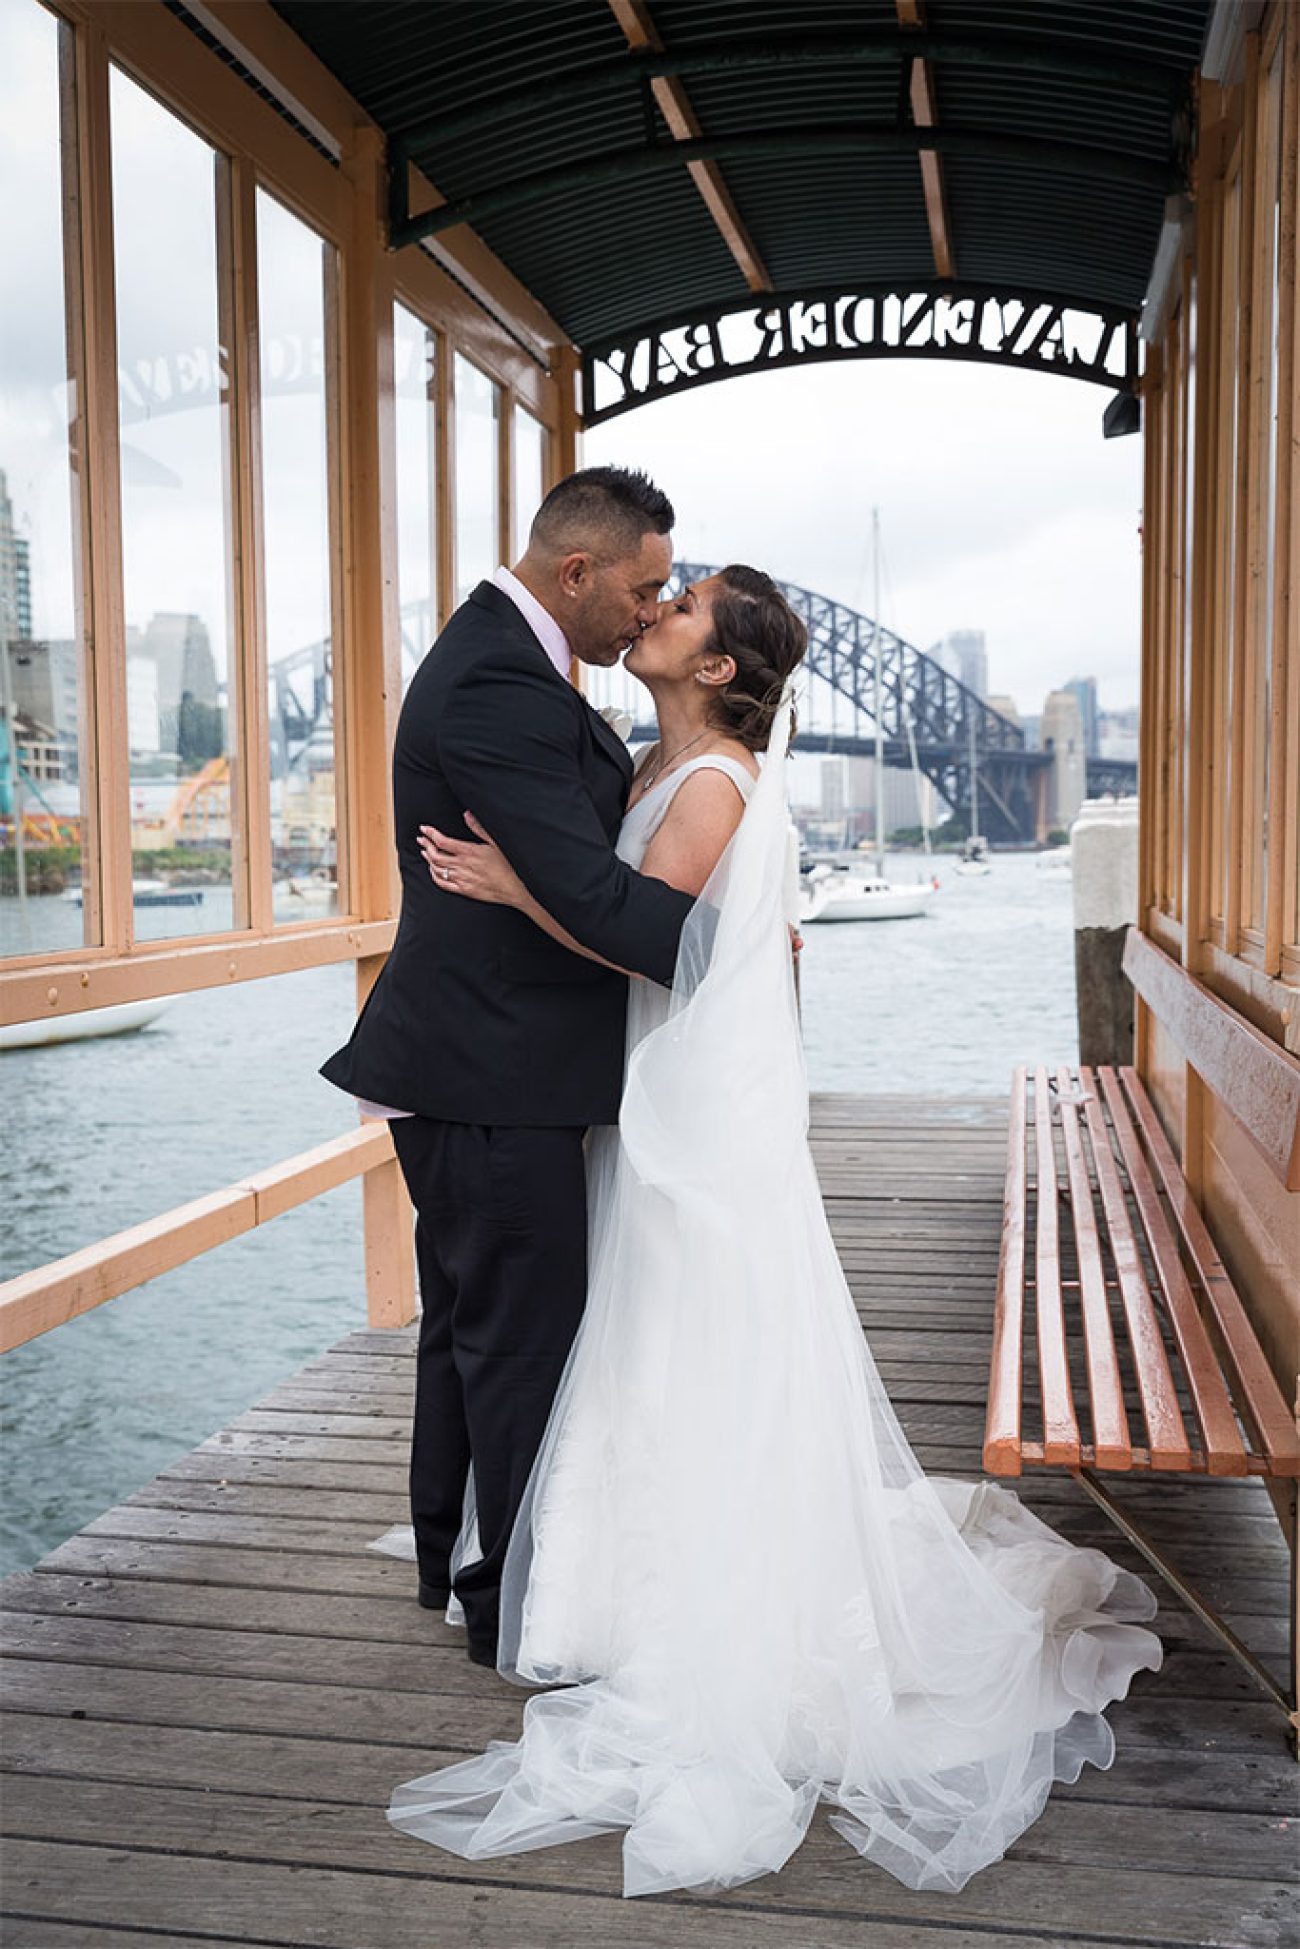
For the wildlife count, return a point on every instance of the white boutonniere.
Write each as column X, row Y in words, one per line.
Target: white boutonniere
column 619, row 721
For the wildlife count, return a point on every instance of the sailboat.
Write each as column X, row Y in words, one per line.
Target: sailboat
column 974, row 863
column 854, row 890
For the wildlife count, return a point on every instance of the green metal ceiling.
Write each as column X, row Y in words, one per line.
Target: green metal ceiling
column 1062, row 126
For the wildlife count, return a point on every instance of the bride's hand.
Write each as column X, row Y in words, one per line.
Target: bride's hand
column 476, row 868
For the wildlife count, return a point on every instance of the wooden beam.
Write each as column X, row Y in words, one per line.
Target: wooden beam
column 40, row 989
column 911, row 14
column 673, row 102
column 1249, row 1074
column 52, row 1294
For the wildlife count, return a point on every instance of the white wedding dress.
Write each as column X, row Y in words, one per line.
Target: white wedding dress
column 728, row 1556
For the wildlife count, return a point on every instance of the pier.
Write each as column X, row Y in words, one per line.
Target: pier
column 212, row 1689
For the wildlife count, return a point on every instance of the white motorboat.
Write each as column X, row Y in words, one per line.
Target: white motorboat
column 974, row 863
column 120, row 1019
column 857, row 893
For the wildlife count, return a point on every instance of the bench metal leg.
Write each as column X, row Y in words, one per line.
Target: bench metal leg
column 1209, row 1617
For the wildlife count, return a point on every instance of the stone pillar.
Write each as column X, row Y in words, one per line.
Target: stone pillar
column 1104, row 862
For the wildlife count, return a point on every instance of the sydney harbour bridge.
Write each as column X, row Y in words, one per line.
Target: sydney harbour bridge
column 923, row 706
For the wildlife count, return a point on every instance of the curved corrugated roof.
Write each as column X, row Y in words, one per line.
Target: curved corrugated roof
column 1060, row 129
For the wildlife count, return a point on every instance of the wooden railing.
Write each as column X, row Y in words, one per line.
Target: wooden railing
column 52, row 1294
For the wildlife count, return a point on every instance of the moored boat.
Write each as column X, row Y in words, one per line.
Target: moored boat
column 856, row 893
column 120, row 1019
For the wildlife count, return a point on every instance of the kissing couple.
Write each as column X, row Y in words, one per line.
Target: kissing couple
column 654, row 1468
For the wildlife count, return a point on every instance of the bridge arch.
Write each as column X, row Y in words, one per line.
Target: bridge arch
column 924, row 705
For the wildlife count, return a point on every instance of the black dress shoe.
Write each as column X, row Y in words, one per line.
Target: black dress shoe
column 481, row 1653
column 433, row 1597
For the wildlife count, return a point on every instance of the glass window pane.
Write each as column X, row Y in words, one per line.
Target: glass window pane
column 530, row 475
column 294, row 269
column 1226, row 751
column 44, row 690
column 478, row 547
column 415, row 350
column 181, row 707
column 1261, row 648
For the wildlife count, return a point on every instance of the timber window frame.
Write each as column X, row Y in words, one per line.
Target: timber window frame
column 485, row 316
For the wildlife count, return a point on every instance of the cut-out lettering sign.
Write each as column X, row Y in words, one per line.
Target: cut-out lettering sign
column 962, row 322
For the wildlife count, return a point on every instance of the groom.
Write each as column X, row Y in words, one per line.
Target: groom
column 489, row 1045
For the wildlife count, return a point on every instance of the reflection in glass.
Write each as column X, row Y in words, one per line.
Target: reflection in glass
column 45, row 842
column 1227, row 756
column 478, row 545
column 181, row 706
column 1267, row 325
column 293, row 267
column 415, row 350
column 530, row 476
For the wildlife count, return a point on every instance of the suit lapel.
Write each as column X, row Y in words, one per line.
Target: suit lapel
column 607, row 737
column 489, row 597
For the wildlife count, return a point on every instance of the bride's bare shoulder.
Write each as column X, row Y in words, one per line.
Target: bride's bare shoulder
column 733, row 748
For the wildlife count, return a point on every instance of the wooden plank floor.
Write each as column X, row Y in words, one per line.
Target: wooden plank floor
column 211, row 1690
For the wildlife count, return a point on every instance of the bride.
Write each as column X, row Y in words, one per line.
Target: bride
column 728, row 1562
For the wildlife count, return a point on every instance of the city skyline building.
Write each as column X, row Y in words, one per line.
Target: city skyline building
column 1084, row 690
column 15, row 572
column 964, row 654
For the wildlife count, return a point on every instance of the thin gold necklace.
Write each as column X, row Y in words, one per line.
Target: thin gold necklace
column 680, row 752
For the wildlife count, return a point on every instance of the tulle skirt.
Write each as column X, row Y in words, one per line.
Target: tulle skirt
column 752, row 1597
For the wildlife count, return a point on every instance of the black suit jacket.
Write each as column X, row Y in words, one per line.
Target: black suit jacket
column 479, row 1017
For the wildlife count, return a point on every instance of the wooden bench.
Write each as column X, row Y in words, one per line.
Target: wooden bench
column 1119, row 1341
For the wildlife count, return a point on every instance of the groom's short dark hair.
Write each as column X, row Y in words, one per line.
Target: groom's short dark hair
column 605, row 509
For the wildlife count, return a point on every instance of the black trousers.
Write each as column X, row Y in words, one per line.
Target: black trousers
column 501, row 1243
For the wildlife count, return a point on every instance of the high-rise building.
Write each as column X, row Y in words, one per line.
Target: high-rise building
column 43, row 680
column 835, row 788
column 184, row 687
column 1117, row 733
column 1084, row 690
column 963, row 653
column 143, row 718
column 15, row 573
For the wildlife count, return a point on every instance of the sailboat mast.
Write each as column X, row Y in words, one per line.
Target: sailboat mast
column 879, row 767
column 974, row 787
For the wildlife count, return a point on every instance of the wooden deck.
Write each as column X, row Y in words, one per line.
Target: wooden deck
column 211, row 1690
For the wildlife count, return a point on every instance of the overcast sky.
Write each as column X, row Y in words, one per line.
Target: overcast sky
column 1001, row 506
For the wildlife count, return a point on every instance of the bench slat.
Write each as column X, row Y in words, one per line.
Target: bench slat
column 1167, row 1440
column 1224, row 1449
column 1110, row 1432
column 1259, row 1395
column 1002, row 1423
column 1060, row 1424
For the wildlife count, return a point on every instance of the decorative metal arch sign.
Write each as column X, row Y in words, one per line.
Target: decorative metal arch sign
column 964, row 322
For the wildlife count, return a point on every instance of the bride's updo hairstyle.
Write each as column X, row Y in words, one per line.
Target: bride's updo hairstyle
column 755, row 626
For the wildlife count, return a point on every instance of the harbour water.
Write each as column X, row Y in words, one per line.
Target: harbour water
column 99, row 1135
